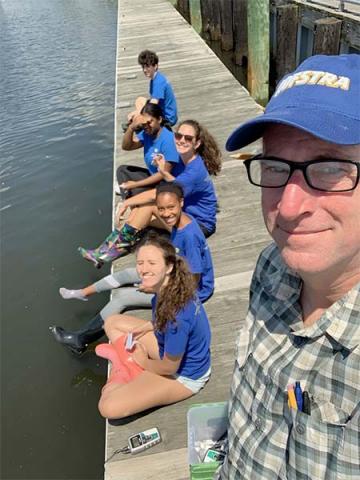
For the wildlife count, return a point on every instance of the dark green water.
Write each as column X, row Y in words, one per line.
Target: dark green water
column 57, row 72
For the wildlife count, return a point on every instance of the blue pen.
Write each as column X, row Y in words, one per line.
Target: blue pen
column 298, row 396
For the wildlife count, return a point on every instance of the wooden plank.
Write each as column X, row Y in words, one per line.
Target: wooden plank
column 226, row 16
column 159, row 466
column 327, row 36
column 205, row 90
column 259, row 53
column 240, row 32
column 286, row 38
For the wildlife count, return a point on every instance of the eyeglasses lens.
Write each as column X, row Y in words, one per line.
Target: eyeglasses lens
column 187, row 138
column 331, row 176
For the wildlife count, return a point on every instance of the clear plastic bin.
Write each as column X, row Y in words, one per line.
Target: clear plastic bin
column 206, row 421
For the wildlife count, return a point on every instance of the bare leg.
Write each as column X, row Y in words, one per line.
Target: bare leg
column 118, row 325
column 139, row 103
column 145, row 391
column 140, row 217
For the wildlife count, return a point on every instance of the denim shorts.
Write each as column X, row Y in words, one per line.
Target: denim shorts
column 194, row 385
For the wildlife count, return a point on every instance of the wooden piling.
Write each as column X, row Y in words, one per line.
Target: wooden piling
column 240, row 32
column 286, row 30
column 184, row 8
column 327, row 33
column 215, row 20
column 195, row 15
column 259, row 53
column 226, row 16
column 205, row 8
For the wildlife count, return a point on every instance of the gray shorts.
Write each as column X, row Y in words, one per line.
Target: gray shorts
column 194, row 385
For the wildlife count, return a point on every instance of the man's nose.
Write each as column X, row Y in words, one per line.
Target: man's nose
column 297, row 197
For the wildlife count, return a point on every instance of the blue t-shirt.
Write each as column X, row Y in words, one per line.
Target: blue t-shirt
column 191, row 244
column 161, row 89
column 189, row 336
column 199, row 193
column 164, row 144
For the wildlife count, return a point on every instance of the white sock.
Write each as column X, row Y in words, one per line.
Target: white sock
column 68, row 294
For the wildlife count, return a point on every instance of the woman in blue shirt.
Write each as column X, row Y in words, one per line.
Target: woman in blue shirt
column 173, row 348
column 201, row 158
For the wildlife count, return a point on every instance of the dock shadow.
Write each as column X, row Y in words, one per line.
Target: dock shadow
column 124, row 421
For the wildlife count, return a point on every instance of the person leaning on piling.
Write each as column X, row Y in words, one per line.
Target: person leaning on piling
column 303, row 323
column 160, row 89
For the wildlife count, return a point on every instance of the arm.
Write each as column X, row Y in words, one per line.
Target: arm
column 162, row 168
column 167, row 366
column 152, row 180
column 130, row 141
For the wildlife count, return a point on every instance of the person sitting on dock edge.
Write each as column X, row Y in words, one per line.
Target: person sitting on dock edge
column 160, row 89
column 173, row 349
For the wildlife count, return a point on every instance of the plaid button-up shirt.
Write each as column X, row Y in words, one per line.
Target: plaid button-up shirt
column 267, row 440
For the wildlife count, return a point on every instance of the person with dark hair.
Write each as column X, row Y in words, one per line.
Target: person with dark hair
column 160, row 89
column 172, row 350
column 155, row 140
column 190, row 244
column 148, row 132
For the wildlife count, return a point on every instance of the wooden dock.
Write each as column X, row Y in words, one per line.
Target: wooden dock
column 206, row 91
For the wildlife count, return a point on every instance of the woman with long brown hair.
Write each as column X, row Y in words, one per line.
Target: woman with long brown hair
column 172, row 351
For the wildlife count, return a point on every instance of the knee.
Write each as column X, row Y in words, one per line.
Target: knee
column 110, row 323
column 112, row 408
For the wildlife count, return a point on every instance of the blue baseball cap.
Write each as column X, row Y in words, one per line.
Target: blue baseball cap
column 322, row 97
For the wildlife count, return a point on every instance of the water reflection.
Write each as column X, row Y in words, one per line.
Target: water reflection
column 56, row 138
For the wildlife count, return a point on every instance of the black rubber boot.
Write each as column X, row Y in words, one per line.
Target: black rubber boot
column 78, row 341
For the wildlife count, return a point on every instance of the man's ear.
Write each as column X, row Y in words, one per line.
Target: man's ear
column 182, row 203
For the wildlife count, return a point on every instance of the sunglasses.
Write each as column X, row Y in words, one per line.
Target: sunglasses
column 187, row 138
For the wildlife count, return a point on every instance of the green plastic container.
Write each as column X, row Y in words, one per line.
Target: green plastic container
column 206, row 421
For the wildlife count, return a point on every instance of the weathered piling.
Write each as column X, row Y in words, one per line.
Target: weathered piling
column 226, row 16
column 240, row 32
column 327, row 36
column 286, row 37
column 195, row 15
column 259, row 53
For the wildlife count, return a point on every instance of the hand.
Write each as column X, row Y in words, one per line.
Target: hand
column 121, row 210
column 142, row 288
column 130, row 184
column 138, row 332
column 159, row 161
column 140, row 356
column 138, row 120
